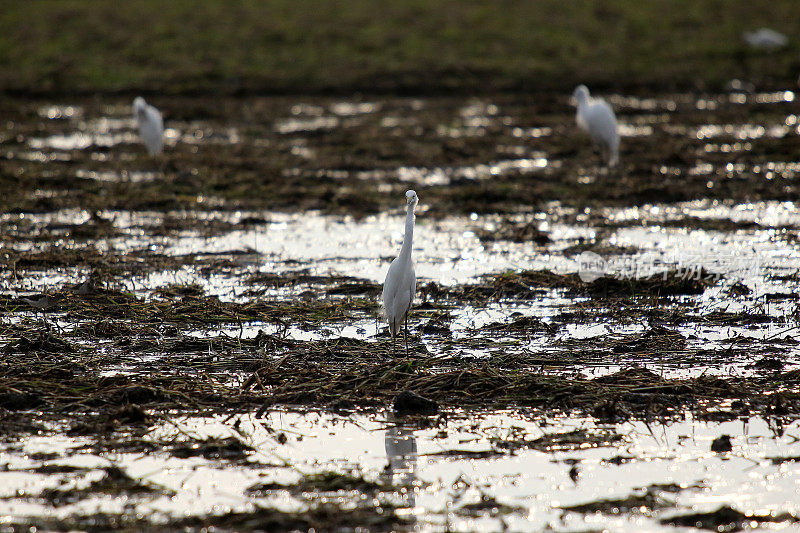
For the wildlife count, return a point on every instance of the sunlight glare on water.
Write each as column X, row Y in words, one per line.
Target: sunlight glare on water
column 437, row 473
column 443, row 251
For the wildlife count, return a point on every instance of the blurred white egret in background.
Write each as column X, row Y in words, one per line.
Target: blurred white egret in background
column 151, row 125
column 401, row 282
column 765, row 39
column 740, row 86
column 597, row 118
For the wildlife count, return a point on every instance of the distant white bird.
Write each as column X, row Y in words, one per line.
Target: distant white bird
column 740, row 86
column 765, row 39
column 597, row 118
column 401, row 282
column 151, row 125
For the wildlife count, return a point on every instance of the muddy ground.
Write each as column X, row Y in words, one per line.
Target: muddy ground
column 105, row 336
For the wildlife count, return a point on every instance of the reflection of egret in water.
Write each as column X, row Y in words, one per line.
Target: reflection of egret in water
column 401, row 472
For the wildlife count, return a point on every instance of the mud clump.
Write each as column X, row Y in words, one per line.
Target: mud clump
column 722, row 444
column 411, row 403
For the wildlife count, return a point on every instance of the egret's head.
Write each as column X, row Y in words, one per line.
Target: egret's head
column 581, row 93
column 411, row 198
column 139, row 107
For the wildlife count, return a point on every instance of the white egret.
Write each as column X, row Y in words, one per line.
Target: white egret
column 597, row 118
column 765, row 39
column 401, row 282
column 151, row 125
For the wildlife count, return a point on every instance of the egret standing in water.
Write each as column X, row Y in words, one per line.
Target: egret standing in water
column 597, row 118
column 401, row 282
column 151, row 125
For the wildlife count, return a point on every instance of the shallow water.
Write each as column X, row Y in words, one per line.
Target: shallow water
column 436, row 473
column 449, row 251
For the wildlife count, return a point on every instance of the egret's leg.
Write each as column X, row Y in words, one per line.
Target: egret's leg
column 405, row 335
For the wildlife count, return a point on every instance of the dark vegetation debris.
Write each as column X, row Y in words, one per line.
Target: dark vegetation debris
column 322, row 482
column 487, row 506
column 514, row 232
column 228, row 448
column 727, row 519
column 530, row 284
column 552, row 442
column 319, row 517
column 644, row 500
column 634, row 503
column 114, row 482
column 125, row 417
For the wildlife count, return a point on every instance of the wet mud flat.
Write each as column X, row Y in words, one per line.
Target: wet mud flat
column 195, row 340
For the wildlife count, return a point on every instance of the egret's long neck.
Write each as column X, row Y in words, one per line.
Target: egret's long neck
column 582, row 99
column 409, row 237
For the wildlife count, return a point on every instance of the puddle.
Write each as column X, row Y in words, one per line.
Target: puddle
column 131, row 176
column 741, row 131
column 81, row 141
column 445, row 250
column 295, row 125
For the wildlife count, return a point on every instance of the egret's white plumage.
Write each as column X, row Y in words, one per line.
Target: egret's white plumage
column 401, row 282
column 151, row 125
column 596, row 117
column 765, row 39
